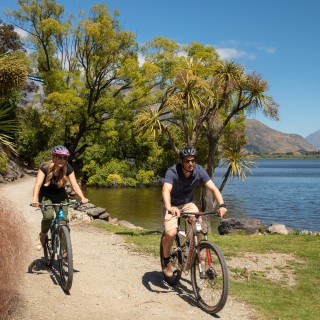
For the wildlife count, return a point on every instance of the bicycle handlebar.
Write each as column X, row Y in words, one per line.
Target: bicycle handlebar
column 74, row 203
column 198, row 214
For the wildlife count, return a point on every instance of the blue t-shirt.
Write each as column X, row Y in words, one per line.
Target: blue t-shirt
column 183, row 187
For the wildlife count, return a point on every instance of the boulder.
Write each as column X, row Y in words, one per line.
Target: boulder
column 104, row 216
column 95, row 212
column 128, row 224
column 233, row 225
column 280, row 228
column 86, row 207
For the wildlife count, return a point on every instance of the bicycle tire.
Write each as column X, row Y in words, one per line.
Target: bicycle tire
column 48, row 250
column 211, row 287
column 175, row 256
column 65, row 258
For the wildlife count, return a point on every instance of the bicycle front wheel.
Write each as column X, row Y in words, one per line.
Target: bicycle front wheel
column 175, row 259
column 65, row 258
column 211, row 285
column 48, row 249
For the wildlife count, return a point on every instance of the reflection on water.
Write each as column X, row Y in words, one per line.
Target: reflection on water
column 138, row 206
column 279, row 191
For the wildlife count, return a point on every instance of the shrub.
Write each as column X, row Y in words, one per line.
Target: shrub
column 14, row 249
column 145, row 177
column 3, row 163
column 114, row 180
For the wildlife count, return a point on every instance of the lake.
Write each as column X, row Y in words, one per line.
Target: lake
column 282, row 191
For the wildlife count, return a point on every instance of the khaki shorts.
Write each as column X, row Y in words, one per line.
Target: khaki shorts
column 170, row 221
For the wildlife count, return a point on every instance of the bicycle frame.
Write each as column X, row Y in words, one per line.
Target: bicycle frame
column 58, row 243
column 197, row 230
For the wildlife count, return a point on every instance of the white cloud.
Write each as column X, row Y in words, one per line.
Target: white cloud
column 141, row 59
column 232, row 43
column 267, row 49
column 232, row 53
column 23, row 34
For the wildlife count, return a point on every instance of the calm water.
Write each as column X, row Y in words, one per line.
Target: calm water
column 283, row 191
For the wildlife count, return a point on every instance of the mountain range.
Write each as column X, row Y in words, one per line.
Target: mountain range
column 264, row 140
column 314, row 139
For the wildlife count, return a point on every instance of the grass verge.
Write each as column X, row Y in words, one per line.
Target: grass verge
column 271, row 298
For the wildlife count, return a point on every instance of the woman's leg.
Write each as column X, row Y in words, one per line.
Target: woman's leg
column 48, row 214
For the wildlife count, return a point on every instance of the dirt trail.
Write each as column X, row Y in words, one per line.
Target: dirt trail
column 110, row 282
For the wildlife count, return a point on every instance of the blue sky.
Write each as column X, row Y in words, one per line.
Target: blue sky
column 280, row 39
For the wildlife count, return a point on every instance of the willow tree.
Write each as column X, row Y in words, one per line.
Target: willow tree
column 41, row 19
column 88, row 63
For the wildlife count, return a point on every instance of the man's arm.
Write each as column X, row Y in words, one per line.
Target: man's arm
column 166, row 198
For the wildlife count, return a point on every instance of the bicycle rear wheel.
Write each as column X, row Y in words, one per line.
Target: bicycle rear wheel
column 64, row 252
column 211, row 286
column 48, row 250
column 175, row 257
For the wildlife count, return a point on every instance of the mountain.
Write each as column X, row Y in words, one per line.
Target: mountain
column 264, row 140
column 314, row 139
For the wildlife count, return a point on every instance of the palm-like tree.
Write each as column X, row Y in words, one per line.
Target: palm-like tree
column 238, row 164
column 13, row 74
column 7, row 129
column 182, row 109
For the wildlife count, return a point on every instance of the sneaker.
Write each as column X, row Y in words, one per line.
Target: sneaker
column 168, row 270
column 40, row 241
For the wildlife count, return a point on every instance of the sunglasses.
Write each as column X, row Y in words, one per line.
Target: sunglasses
column 62, row 158
column 187, row 161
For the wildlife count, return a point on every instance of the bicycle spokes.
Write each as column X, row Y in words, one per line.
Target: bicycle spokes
column 209, row 278
column 65, row 258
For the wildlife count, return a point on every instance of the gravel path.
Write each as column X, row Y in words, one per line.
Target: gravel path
column 110, row 282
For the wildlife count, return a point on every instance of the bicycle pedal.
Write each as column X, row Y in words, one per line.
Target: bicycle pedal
column 203, row 275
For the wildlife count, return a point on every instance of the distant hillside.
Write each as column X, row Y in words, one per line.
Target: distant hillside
column 264, row 140
column 314, row 139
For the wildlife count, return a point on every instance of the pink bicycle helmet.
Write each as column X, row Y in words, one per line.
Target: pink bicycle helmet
column 60, row 150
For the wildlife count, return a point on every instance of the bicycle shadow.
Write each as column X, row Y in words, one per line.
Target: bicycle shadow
column 154, row 282
column 38, row 267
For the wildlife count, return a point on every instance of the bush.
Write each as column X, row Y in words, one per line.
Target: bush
column 14, row 249
column 145, row 177
column 114, row 180
column 3, row 163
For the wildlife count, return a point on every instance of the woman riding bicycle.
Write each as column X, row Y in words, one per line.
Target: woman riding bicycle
column 180, row 182
column 50, row 185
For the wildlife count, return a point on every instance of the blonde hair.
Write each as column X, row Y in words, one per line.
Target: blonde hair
column 62, row 177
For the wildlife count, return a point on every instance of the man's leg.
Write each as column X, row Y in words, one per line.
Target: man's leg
column 170, row 227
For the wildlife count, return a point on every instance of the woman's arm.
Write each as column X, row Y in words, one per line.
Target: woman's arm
column 36, row 188
column 76, row 188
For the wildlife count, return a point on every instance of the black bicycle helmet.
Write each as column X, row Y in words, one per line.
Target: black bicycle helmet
column 188, row 151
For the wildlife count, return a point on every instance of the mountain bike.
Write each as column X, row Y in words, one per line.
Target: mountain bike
column 191, row 251
column 58, row 243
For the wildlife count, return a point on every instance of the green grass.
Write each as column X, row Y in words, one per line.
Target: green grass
column 271, row 299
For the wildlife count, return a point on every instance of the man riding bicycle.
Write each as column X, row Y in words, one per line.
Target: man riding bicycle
column 179, row 185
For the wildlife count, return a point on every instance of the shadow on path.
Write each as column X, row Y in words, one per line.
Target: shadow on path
column 38, row 267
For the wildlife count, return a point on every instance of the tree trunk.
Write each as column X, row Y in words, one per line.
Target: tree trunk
column 226, row 176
